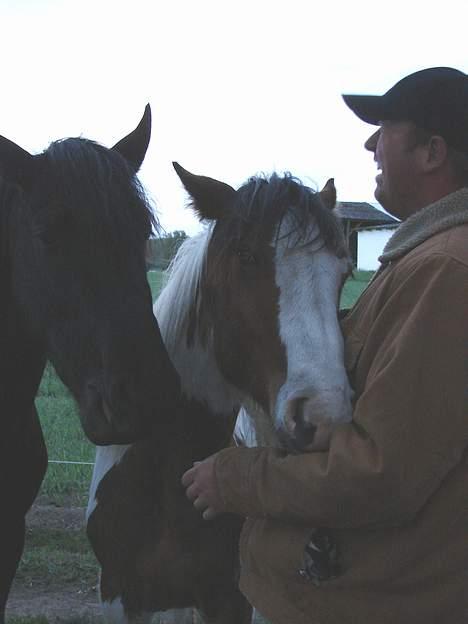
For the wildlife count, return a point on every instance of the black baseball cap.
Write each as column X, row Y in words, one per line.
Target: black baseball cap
column 435, row 99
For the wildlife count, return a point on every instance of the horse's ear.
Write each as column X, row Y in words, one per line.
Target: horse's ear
column 211, row 198
column 16, row 164
column 133, row 147
column 328, row 194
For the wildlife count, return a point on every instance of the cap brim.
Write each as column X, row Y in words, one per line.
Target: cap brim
column 369, row 108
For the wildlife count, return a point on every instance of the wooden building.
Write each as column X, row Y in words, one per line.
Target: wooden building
column 357, row 216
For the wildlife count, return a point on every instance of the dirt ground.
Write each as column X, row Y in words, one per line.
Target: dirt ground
column 63, row 602
column 69, row 603
column 59, row 605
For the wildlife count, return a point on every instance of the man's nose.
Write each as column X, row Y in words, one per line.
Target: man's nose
column 371, row 142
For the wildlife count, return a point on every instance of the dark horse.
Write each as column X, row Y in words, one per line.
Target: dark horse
column 249, row 314
column 73, row 226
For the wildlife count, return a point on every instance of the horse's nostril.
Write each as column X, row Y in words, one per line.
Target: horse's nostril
column 304, row 431
column 299, row 410
column 96, row 398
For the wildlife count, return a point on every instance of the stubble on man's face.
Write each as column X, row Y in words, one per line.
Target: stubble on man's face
column 394, row 153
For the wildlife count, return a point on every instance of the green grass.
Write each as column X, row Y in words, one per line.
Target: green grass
column 43, row 620
column 354, row 287
column 155, row 279
column 54, row 556
column 40, row 619
column 63, row 483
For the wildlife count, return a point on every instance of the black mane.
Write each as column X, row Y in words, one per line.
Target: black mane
column 112, row 193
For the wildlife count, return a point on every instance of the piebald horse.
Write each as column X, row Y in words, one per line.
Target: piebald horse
column 249, row 315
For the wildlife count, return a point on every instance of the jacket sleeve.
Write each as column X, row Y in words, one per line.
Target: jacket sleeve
column 410, row 424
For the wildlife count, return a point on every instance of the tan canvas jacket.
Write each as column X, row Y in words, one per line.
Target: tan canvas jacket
column 393, row 486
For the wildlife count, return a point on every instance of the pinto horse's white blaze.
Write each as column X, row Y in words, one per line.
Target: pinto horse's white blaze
column 309, row 278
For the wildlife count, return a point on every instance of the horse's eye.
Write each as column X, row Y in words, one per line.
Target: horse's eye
column 47, row 236
column 246, row 256
column 51, row 231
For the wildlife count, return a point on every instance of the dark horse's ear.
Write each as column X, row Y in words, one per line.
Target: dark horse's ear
column 133, row 147
column 211, row 198
column 16, row 164
column 328, row 194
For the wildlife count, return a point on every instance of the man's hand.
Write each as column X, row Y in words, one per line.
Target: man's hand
column 201, row 488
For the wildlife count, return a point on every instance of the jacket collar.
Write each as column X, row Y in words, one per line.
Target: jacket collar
column 448, row 212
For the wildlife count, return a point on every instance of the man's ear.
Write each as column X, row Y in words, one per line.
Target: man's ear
column 436, row 153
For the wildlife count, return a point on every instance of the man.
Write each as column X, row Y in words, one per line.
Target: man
column 392, row 489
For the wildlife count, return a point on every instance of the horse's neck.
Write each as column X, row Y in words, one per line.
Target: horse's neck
column 176, row 309
column 22, row 357
column 22, row 362
column 203, row 384
column 5, row 236
column 207, row 393
column 195, row 431
column 202, row 380
column 195, row 361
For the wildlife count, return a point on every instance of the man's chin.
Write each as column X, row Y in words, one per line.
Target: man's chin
column 379, row 194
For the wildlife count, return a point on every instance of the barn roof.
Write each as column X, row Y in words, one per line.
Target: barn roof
column 363, row 212
column 385, row 226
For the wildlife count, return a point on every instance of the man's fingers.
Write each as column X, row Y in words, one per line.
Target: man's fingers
column 191, row 492
column 209, row 514
column 188, row 477
column 199, row 488
column 200, row 504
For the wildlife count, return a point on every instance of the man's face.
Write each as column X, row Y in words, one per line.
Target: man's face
column 396, row 156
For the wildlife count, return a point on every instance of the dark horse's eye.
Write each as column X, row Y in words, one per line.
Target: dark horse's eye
column 48, row 236
column 245, row 255
column 45, row 236
column 52, row 231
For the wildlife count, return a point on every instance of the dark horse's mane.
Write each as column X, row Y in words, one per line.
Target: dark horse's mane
column 283, row 195
column 112, row 192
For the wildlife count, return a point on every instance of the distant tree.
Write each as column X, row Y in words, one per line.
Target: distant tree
column 161, row 250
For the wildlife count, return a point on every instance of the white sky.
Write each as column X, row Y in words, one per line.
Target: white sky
column 236, row 87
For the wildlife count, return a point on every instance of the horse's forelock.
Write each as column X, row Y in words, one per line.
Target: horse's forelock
column 264, row 200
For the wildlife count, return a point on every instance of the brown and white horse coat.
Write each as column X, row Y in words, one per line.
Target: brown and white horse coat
column 238, row 320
